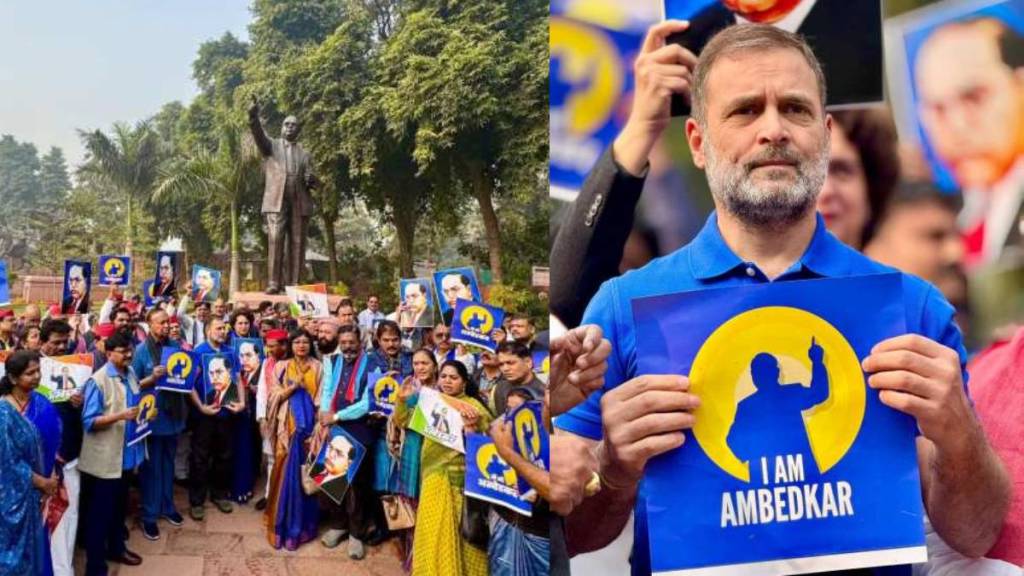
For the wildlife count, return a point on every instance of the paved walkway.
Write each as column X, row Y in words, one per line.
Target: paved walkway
column 236, row 545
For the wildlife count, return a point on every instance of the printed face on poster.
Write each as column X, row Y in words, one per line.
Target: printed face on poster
column 337, row 464
column 793, row 464
column 453, row 284
column 60, row 377
column 437, row 418
column 181, row 367
column 115, row 270
column 218, row 384
column 77, row 284
column 417, row 306
column 490, row 478
column 473, row 323
column 165, row 283
column 205, row 284
column 248, row 354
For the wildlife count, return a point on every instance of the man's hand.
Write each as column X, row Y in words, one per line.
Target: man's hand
column 573, row 465
column 130, row 414
column 661, row 70
column 642, row 418
column 579, row 360
column 501, row 434
column 326, row 418
column 76, row 399
column 159, row 371
column 922, row 378
column 235, row 407
column 208, row 410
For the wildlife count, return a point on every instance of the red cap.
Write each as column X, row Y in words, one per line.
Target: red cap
column 276, row 334
column 173, row 320
column 133, row 307
column 105, row 330
column 54, row 310
column 7, row 313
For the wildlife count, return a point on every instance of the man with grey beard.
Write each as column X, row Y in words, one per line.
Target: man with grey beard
column 760, row 131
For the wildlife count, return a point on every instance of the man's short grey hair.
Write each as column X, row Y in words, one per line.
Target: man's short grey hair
column 743, row 38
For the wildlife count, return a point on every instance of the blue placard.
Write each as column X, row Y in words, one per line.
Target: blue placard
column 165, row 283
column 181, row 369
column 148, row 293
column 337, row 463
column 5, row 285
column 217, row 387
column 383, row 392
column 541, row 361
column 591, row 84
column 141, row 427
column 77, row 284
column 792, row 459
column 490, row 478
column 473, row 322
column 453, row 284
column 115, row 270
column 530, row 438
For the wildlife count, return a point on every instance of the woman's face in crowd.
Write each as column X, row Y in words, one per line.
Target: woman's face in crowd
column 29, row 379
column 451, row 382
column 32, row 341
column 300, row 346
column 843, row 201
column 242, row 326
column 422, row 367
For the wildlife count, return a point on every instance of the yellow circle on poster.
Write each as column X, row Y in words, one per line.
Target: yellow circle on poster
column 527, row 432
column 114, row 267
column 147, row 408
column 383, row 385
column 179, row 365
column 487, row 455
column 587, row 58
column 721, row 378
column 478, row 315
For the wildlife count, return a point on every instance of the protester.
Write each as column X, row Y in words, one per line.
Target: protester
column 368, row 320
column 111, row 400
column 765, row 174
column 29, row 435
column 7, row 340
column 489, row 372
column 437, row 546
column 346, row 313
column 291, row 515
column 28, row 339
column 193, row 327
column 276, row 349
column 516, row 372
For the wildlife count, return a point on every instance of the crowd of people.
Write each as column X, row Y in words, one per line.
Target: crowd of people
column 67, row 467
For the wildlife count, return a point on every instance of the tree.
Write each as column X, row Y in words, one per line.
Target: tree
column 53, row 175
column 219, row 182
column 20, row 191
column 126, row 164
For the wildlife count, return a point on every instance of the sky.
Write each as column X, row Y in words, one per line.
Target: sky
column 71, row 65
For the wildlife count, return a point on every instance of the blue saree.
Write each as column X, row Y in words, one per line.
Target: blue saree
column 21, row 551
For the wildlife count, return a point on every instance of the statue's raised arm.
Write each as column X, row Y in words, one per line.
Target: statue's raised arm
column 262, row 142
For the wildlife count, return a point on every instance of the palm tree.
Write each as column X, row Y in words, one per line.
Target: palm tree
column 127, row 163
column 217, row 181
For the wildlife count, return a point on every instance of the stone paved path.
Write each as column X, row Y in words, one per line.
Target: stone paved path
column 235, row 545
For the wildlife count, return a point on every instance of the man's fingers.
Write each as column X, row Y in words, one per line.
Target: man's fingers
column 590, row 379
column 651, row 425
column 901, row 381
column 593, row 337
column 903, row 360
column 656, row 34
column 650, row 382
column 673, row 55
column 654, row 402
column 906, row 403
column 643, row 450
column 597, row 355
column 914, row 343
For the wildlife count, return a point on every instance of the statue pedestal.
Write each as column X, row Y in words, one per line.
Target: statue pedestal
column 253, row 299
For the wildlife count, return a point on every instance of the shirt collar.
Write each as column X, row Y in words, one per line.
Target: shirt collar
column 114, row 372
column 711, row 257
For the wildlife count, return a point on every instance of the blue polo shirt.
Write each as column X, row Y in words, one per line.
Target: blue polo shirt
column 708, row 262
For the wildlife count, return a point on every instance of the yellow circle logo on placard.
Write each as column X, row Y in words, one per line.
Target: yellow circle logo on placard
column 147, row 408
column 488, row 462
column 721, row 378
column 114, row 267
column 179, row 365
column 527, row 432
column 477, row 318
column 590, row 59
column 384, row 390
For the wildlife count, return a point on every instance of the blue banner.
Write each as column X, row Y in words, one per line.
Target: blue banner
column 473, row 323
column 139, row 428
column 148, row 288
column 337, row 463
column 383, row 392
column 77, row 284
column 541, row 361
column 248, row 355
column 453, row 284
column 5, row 285
column 181, row 370
column 490, row 478
column 793, row 464
column 590, row 87
column 217, row 385
column 115, row 270
column 530, row 438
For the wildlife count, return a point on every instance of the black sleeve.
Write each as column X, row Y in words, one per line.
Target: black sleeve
column 590, row 241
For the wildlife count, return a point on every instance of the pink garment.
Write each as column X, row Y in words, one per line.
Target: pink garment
column 997, row 387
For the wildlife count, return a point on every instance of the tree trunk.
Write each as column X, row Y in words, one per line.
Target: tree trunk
column 483, row 188
column 405, row 229
column 331, row 239
column 130, row 236
column 235, row 250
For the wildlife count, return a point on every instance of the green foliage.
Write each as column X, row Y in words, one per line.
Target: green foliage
column 520, row 300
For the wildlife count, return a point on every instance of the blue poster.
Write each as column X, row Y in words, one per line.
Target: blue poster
column 205, row 284
column 473, row 322
column 384, row 392
column 139, row 428
column 416, row 303
column 490, row 478
column 217, row 387
column 5, row 285
column 77, row 284
column 793, row 464
column 541, row 361
column 181, row 369
column 453, row 284
column 115, row 270
column 165, row 283
column 148, row 293
column 591, row 84
column 337, row 463
column 248, row 354
column 530, row 438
